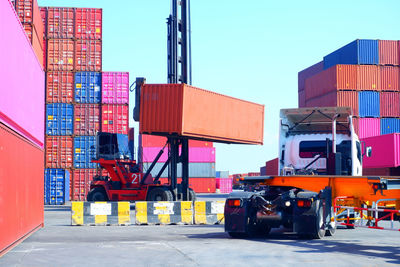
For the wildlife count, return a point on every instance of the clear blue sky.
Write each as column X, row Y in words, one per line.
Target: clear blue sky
column 246, row 49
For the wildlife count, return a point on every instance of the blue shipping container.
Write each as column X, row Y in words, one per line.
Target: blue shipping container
column 84, row 152
column 356, row 52
column 56, row 186
column 368, row 104
column 88, row 87
column 390, row 125
column 59, row 119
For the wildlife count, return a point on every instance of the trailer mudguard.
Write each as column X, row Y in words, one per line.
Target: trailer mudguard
column 236, row 217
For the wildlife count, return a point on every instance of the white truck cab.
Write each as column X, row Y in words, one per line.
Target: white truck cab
column 319, row 141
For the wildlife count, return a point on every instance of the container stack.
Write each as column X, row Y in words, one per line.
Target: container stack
column 364, row 75
column 224, row 182
column 201, row 162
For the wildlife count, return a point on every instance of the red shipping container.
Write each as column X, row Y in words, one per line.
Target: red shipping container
column 59, row 87
column 60, row 22
column 385, row 151
column 339, row 77
column 36, row 41
column 86, row 119
column 307, row 73
column 389, row 78
column 272, row 167
column 88, row 55
column 390, row 104
column 388, row 52
column 253, row 174
column 60, row 54
column 43, row 14
column 29, row 13
column 88, row 23
column 114, row 119
column 199, row 185
column 336, row 99
column 302, row 99
column 21, row 188
column 159, row 141
column 355, row 125
column 59, row 152
column 368, row 77
column 80, row 184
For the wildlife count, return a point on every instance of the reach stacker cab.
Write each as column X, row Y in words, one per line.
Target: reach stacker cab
column 125, row 180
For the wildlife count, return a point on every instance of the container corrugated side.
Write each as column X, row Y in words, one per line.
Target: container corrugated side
column 86, row 119
column 59, row 119
column 389, row 78
column 59, row 152
column 336, row 99
column 302, row 99
column 88, row 87
column 60, row 55
column 390, row 125
column 21, row 79
column 56, row 186
column 88, row 55
column 193, row 112
column 29, row 13
column 196, row 154
column 222, row 174
column 59, row 87
column 263, row 170
column 36, row 41
column 159, row 141
column 115, row 88
column 84, row 152
column 114, row 119
column 60, row 22
column 21, row 186
column 307, row 73
column 272, row 167
column 80, row 184
column 195, row 169
column 368, row 127
column 224, row 185
column 388, row 52
column 390, row 104
column 385, row 151
column 368, row 104
column 198, row 184
column 368, row 78
column 88, row 23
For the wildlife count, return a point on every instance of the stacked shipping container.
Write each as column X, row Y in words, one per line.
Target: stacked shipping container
column 363, row 75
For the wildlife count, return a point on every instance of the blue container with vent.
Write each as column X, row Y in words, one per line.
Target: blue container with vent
column 390, row 125
column 368, row 104
column 84, row 152
column 88, row 87
column 56, row 186
column 59, row 119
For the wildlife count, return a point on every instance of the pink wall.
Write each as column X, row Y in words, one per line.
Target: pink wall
column 21, row 79
column 385, row 151
column 196, row 154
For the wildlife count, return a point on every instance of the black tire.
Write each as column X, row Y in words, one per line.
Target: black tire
column 192, row 195
column 319, row 230
column 97, row 194
column 237, row 235
column 159, row 194
column 332, row 225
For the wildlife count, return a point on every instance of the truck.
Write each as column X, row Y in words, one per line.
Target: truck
column 320, row 161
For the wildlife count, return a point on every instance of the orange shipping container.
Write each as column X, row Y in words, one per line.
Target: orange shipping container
column 192, row 112
column 59, row 152
column 59, row 87
column 60, row 54
column 29, row 13
column 88, row 55
column 368, row 77
column 336, row 99
column 389, row 78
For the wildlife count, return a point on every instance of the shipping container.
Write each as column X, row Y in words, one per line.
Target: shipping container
column 29, row 13
column 302, row 99
column 394, row 171
column 114, row 119
column 272, row 167
column 196, row 154
column 115, row 88
column 368, row 78
column 80, row 184
column 88, row 55
column 36, row 42
column 368, row 127
column 339, row 77
column 21, row 79
column 60, row 23
column 388, row 52
column 88, row 23
column 60, row 55
column 21, row 183
column 86, row 119
column 59, row 119
column 198, row 184
column 192, row 112
column 368, row 104
column 307, row 73
column 336, row 99
column 390, row 104
column 59, row 152
column 263, row 170
column 390, row 125
column 84, row 152
column 355, row 124
column 195, row 169
column 356, row 52
column 224, row 185
column 385, row 151
column 222, row 174
column 56, row 186
column 88, row 87
column 131, row 142
column 59, row 87
column 389, row 78
column 159, row 141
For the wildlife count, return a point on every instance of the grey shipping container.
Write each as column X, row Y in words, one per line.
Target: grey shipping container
column 222, row 174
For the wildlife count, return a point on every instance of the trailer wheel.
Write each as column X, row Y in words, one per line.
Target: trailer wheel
column 237, row 235
column 97, row 194
column 319, row 231
column 160, row 194
column 192, row 195
column 332, row 224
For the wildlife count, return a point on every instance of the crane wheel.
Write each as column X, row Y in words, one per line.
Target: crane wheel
column 160, row 194
column 97, row 194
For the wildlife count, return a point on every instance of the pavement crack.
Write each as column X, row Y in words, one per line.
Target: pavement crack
column 182, row 253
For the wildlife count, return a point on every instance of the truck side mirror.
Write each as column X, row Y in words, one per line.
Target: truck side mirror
column 368, row 151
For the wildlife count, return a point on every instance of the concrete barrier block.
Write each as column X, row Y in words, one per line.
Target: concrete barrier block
column 164, row 212
column 209, row 212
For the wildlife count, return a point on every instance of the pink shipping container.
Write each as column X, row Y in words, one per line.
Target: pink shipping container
column 385, row 151
column 196, row 154
column 390, row 76
column 88, row 23
column 336, row 99
column 368, row 127
column 159, row 141
column 114, row 119
column 307, row 73
column 368, row 77
column 86, row 119
column 21, row 79
column 224, row 185
column 115, row 87
column 390, row 104
column 388, row 52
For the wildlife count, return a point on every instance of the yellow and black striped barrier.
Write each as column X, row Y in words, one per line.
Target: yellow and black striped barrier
column 100, row 213
column 164, row 212
column 209, row 212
